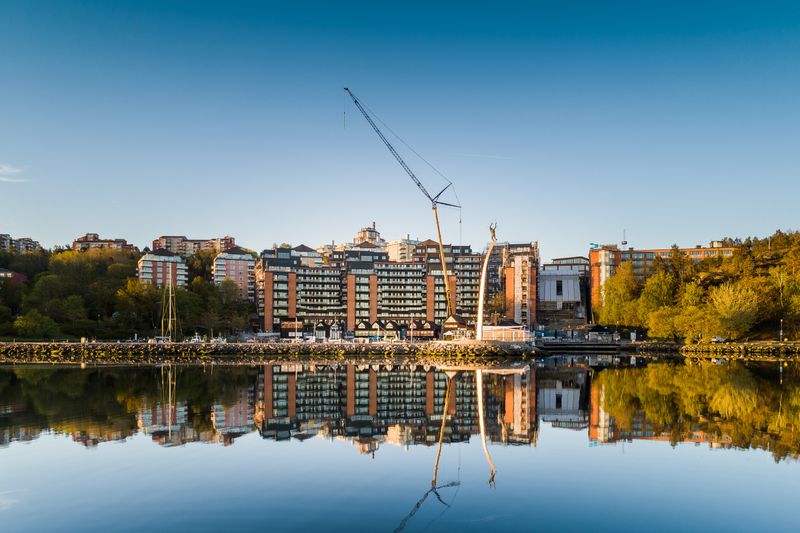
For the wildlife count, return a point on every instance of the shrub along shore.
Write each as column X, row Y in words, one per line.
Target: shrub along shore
column 255, row 353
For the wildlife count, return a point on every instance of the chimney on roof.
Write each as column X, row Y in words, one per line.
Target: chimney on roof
column 373, row 224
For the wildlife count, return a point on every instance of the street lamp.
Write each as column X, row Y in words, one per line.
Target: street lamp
column 780, row 338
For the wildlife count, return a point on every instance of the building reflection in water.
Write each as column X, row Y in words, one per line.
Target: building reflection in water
column 608, row 398
column 373, row 404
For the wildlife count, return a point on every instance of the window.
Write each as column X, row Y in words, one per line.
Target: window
column 559, row 287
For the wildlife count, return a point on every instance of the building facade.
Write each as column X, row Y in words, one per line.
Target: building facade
column 561, row 297
column 361, row 290
column 238, row 266
column 575, row 263
column 179, row 244
column 19, row 245
column 568, row 307
column 401, row 250
column 162, row 268
column 371, row 235
column 520, row 282
column 92, row 241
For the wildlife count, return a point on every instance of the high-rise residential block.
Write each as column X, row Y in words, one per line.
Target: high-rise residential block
column 521, row 268
column 360, row 290
column 162, row 268
column 237, row 265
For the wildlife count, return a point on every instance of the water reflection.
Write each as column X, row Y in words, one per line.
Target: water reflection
column 372, row 405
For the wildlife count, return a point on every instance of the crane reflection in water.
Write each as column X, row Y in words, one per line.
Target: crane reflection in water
column 435, row 488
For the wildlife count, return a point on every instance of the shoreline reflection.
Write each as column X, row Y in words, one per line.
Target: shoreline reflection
column 403, row 403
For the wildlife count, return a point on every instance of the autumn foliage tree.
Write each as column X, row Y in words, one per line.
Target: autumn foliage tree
column 744, row 295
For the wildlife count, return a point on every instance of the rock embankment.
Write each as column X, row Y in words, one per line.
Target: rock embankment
column 744, row 350
column 246, row 353
column 723, row 350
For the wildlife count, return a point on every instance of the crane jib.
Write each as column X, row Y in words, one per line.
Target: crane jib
column 434, row 199
column 391, row 148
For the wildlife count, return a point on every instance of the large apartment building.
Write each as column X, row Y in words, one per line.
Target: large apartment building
column 603, row 261
column 361, row 289
column 19, row 245
column 512, row 272
column 179, row 244
column 521, row 269
column 162, row 268
column 237, row 265
column 92, row 241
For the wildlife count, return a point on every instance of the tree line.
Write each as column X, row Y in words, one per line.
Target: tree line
column 96, row 294
column 742, row 296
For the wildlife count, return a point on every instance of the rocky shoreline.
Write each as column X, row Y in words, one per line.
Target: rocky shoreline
column 246, row 353
column 725, row 350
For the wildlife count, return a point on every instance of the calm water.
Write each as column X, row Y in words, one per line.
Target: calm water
column 577, row 442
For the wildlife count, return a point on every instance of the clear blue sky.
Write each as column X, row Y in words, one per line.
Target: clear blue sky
column 563, row 121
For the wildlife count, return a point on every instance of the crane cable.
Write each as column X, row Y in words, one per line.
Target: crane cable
column 436, row 170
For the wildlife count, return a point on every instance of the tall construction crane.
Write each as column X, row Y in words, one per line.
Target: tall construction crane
column 435, row 202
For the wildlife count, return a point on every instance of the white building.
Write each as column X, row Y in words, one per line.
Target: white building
column 561, row 296
column 401, row 250
column 162, row 268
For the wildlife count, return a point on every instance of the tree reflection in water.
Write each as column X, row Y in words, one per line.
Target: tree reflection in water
column 403, row 403
column 728, row 405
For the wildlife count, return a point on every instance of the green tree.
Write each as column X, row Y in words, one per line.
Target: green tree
column 233, row 309
column 619, row 298
column 680, row 264
column 200, row 264
column 659, row 291
column 693, row 323
column 35, row 325
column 70, row 313
column 12, row 294
column 661, row 322
column 692, row 295
column 138, row 306
column 735, row 308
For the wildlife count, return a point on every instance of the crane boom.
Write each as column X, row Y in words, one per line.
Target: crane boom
column 433, row 199
column 390, row 147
